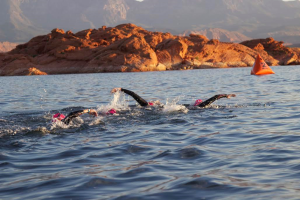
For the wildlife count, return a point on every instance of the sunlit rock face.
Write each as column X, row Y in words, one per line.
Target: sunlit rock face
column 130, row 48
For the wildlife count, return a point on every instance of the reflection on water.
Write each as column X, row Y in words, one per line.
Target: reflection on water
column 245, row 147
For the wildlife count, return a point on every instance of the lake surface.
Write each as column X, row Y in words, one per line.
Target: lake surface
column 247, row 147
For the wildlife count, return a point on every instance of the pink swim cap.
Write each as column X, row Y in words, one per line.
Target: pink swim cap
column 197, row 102
column 59, row 116
column 150, row 103
column 111, row 112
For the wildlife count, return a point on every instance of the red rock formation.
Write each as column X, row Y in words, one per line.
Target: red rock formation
column 129, row 48
column 171, row 52
column 274, row 48
column 259, row 47
column 35, row 71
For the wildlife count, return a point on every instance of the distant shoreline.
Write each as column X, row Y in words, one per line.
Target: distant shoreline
column 130, row 48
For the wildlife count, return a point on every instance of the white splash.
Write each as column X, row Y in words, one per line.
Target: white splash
column 173, row 106
column 118, row 102
column 57, row 124
column 12, row 130
column 42, row 129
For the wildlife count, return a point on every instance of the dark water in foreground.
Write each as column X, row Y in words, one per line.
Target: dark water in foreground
column 246, row 147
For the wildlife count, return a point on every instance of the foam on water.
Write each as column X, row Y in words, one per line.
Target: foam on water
column 13, row 129
column 173, row 106
column 59, row 124
column 118, row 103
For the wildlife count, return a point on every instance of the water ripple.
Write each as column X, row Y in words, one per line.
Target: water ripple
column 240, row 148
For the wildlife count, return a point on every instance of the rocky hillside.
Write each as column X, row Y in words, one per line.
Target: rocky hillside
column 276, row 49
column 23, row 19
column 130, row 48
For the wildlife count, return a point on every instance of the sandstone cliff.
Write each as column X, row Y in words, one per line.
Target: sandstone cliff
column 129, row 48
column 276, row 49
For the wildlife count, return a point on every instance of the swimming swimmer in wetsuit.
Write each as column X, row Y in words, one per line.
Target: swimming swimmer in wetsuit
column 198, row 103
column 67, row 119
column 136, row 97
column 206, row 103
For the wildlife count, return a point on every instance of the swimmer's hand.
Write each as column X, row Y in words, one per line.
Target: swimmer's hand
column 226, row 96
column 230, row 95
column 91, row 112
column 115, row 90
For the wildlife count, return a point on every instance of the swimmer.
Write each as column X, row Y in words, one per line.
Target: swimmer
column 67, row 119
column 198, row 102
column 208, row 102
column 136, row 97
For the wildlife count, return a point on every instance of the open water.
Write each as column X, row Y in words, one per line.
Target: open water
column 247, row 147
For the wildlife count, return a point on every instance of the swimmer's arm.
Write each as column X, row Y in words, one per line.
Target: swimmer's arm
column 77, row 113
column 136, row 97
column 214, row 98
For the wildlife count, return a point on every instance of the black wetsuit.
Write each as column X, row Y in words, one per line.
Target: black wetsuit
column 208, row 101
column 71, row 116
column 136, row 97
column 204, row 104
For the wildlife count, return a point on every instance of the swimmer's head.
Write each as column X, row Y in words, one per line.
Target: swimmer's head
column 59, row 116
column 111, row 112
column 197, row 102
column 154, row 103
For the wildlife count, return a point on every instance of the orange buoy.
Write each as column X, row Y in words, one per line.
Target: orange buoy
column 260, row 67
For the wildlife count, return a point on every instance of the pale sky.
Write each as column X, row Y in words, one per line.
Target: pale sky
column 282, row 0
